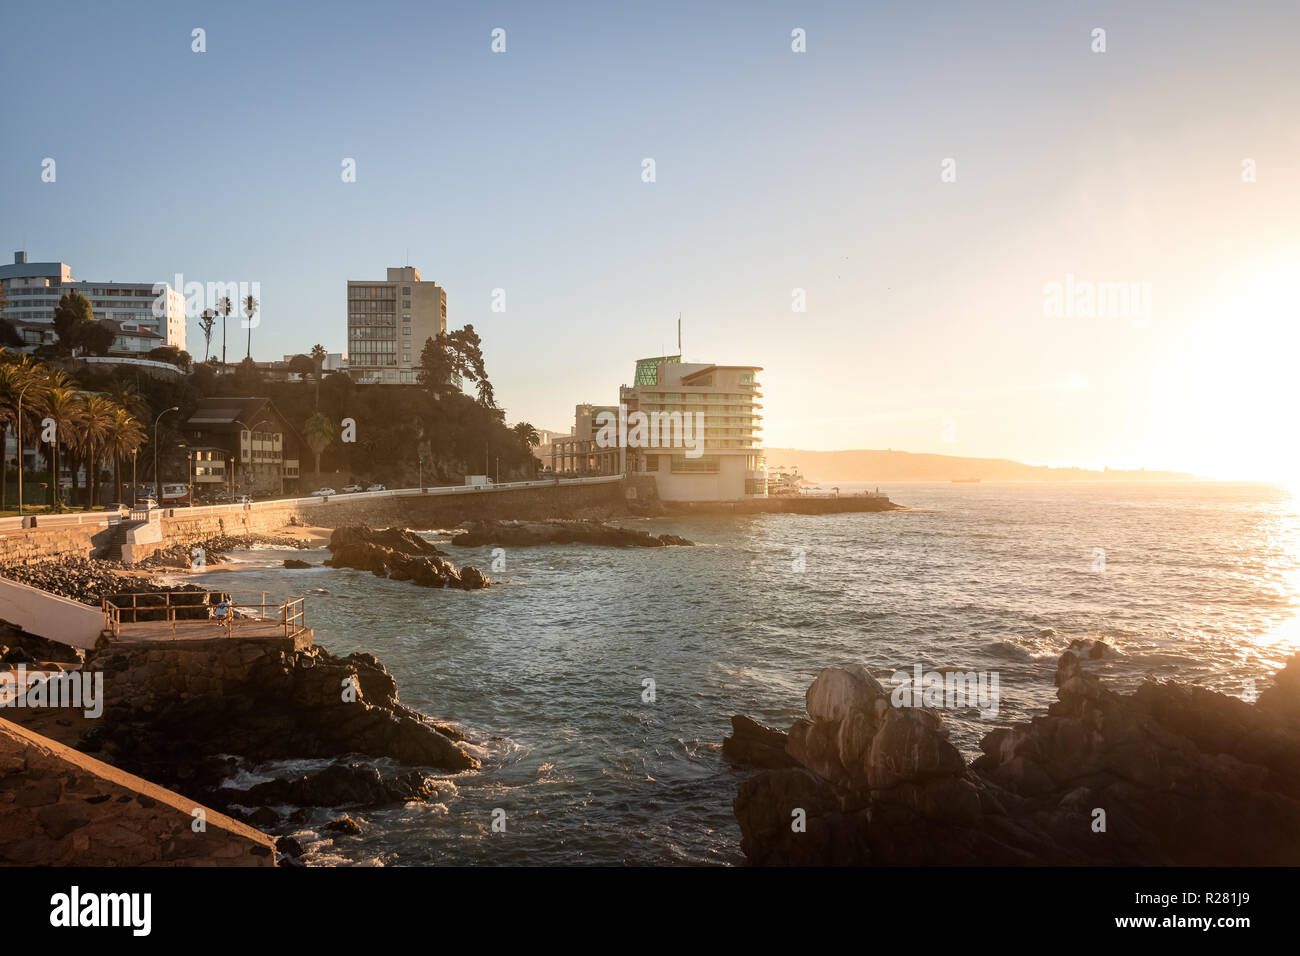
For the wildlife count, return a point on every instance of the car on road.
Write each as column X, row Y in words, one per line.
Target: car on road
column 323, row 492
column 352, row 489
column 376, row 487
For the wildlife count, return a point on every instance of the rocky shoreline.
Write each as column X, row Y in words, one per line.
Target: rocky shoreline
column 400, row 555
column 1103, row 779
column 191, row 715
column 528, row 534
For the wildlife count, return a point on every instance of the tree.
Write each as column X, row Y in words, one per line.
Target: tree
column 71, row 316
column 206, row 322
column 318, row 355
column 61, row 404
column 319, row 432
column 302, row 365
column 20, row 380
column 124, row 437
column 247, row 378
column 527, row 434
column 9, row 337
column 224, row 308
column 96, row 338
column 250, row 310
column 97, row 414
column 170, row 354
column 436, row 368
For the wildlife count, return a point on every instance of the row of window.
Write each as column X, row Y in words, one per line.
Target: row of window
column 372, row 292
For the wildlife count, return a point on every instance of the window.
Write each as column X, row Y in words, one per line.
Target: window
column 705, row 465
column 406, row 330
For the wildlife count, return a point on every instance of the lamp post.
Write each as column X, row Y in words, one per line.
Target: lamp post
column 21, row 392
column 250, row 463
column 157, row 476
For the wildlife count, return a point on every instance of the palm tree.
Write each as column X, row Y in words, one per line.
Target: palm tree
column 61, row 404
column 125, row 436
column 250, row 310
column 20, row 380
column 319, row 432
column 97, row 414
column 224, row 308
column 527, row 434
column 318, row 354
column 206, row 322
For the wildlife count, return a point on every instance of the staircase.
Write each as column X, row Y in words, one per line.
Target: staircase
column 112, row 550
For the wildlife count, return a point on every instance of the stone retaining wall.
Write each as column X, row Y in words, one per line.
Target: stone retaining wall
column 28, row 545
column 60, row 807
column 409, row 511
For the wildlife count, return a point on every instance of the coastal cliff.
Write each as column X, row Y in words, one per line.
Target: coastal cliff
column 1150, row 778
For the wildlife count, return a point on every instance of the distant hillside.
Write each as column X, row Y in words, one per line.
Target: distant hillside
column 866, row 465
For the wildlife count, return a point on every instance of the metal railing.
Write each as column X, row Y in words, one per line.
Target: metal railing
column 104, row 519
column 199, row 614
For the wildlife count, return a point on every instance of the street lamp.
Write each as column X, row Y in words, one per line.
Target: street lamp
column 157, row 476
column 21, row 392
column 250, row 463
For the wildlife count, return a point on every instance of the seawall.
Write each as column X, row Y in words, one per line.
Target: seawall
column 437, row 508
column 60, row 807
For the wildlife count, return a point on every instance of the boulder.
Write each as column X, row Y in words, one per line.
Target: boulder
column 1169, row 764
column 399, row 555
column 527, row 534
column 757, row 745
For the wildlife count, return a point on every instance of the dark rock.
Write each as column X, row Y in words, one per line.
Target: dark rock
column 343, row 825
column 262, row 818
column 1169, row 764
column 288, row 846
column 757, row 745
column 338, row 785
column 526, row 534
column 295, row 563
column 399, row 555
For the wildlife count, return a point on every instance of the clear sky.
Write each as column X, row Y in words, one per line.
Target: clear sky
column 927, row 324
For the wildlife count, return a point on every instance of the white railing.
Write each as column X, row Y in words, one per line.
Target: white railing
column 104, row 519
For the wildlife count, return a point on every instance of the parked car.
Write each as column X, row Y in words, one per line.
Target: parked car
column 376, row 487
column 350, row 489
column 323, row 492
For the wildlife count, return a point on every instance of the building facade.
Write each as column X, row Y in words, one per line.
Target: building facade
column 388, row 324
column 33, row 290
column 696, row 428
column 578, row 453
column 241, row 446
column 723, row 458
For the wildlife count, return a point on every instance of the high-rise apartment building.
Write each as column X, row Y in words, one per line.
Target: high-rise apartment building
column 388, row 324
column 34, row 289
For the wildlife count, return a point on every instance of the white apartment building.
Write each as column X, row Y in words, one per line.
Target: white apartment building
column 727, row 463
column 388, row 323
column 33, row 290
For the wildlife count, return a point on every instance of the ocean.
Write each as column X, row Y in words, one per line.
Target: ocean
column 547, row 670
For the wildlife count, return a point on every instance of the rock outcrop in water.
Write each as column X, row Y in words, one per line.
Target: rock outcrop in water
column 338, row 785
column 400, row 555
column 170, row 708
column 527, row 534
column 1179, row 775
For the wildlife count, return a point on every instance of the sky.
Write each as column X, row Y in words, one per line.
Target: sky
column 886, row 222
